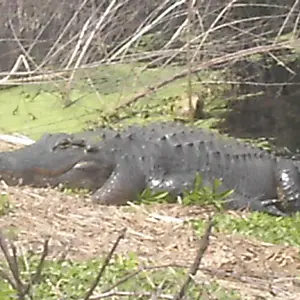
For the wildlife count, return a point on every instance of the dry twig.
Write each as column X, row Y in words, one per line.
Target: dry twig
column 15, row 281
column 38, row 272
column 202, row 66
column 204, row 243
column 105, row 264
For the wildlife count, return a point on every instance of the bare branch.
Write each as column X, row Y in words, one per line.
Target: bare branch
column 204, row 243
column 105, row 264
column 16, row 283
column 213, row 62
column 6, row 277
column 12, row 263
column 38, row 272
column 132, row 294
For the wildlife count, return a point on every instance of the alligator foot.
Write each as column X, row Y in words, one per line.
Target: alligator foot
column 268, row 206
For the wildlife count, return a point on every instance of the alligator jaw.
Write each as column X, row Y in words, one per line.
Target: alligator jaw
column 13, row 173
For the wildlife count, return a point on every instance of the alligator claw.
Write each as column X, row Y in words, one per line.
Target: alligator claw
column 267, row 206
column 262, row 206
column 270, row 202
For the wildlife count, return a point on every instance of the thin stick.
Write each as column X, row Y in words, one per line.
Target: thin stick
column 105, row 264
column 204, row 65
column 37, row 275
column 204, row 243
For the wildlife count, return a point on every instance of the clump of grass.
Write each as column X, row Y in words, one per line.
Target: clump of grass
column 277, row 230
column 39, row 278
column 71, row 280
column 205, row 195
column 199, row 195
column 5, row 205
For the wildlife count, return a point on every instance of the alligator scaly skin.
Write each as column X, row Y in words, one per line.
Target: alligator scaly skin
column 167, row 156
column 117, row 166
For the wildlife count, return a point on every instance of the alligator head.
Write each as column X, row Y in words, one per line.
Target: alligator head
column 55, row 159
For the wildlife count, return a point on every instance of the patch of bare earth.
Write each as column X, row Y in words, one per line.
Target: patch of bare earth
column 159, row 234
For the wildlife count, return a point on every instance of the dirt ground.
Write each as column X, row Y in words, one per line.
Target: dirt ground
column 158, row 234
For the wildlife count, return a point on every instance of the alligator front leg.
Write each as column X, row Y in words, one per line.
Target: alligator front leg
column 124, row 184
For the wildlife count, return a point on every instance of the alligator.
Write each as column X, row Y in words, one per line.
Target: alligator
column 117, row 165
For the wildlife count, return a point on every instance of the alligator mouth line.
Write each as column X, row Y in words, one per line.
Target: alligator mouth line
column 40, row 171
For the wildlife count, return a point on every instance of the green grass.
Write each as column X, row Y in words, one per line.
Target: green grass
column 264, row 227
column 280, row 230
column 267, row 228
column 5, row 205
column 71, row 280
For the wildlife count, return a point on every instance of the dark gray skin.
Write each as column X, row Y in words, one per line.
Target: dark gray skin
column 117, row 166
column 43, row 164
